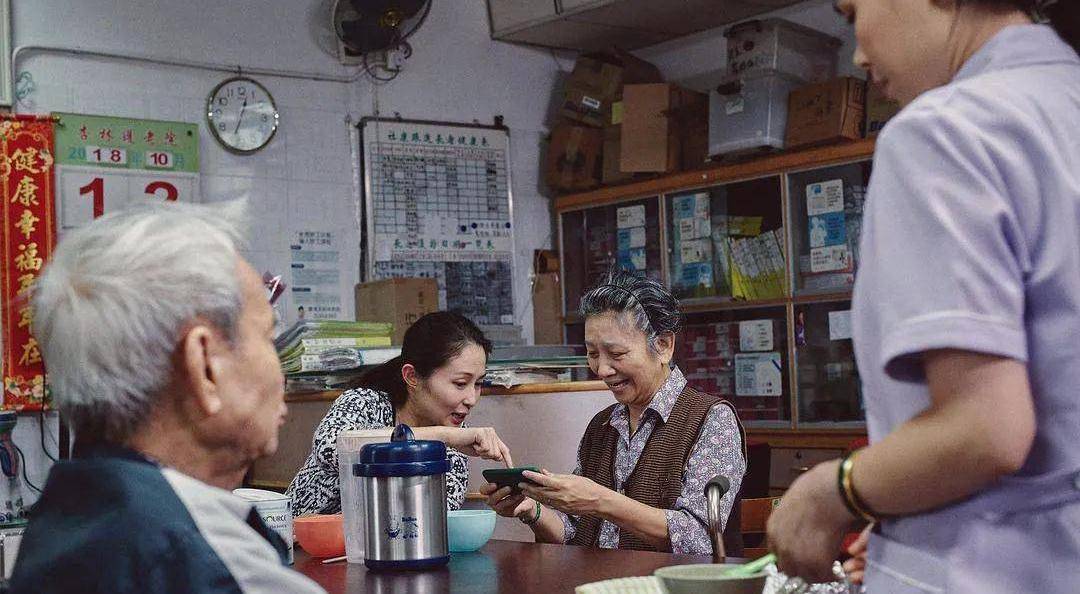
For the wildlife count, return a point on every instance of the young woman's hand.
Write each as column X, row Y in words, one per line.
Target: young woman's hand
column 479, row 442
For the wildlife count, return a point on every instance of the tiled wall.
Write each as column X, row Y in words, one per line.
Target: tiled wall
column 303, row 179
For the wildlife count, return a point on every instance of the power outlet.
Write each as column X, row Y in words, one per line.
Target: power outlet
column 394, row 59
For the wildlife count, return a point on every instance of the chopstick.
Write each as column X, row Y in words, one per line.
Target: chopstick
column 752, row 567
column 335, row 559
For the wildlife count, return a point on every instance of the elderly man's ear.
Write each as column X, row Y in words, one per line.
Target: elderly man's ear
column 204, row 362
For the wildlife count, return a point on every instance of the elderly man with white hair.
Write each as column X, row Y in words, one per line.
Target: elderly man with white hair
column 158, row 338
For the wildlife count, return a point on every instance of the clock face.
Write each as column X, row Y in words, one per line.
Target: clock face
column 242, row 115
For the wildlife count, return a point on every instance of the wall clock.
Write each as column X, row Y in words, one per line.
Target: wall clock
column 242, row 115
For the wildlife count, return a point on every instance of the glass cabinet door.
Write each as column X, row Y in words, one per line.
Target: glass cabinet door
column 727, row 241
column 826, row 216
column 596, row 239
column 742, row 356
column 829, row 387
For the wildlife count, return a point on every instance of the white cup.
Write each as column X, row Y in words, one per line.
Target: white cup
column 274, row 509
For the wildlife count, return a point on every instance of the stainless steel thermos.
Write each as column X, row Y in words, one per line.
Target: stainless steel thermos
column 403, row 488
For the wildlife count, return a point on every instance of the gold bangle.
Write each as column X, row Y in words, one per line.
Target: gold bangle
column 847, row 489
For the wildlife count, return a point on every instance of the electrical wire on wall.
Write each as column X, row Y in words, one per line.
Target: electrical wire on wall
column 41, row 427
column 22, row 463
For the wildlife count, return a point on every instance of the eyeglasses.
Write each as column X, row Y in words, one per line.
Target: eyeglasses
column 274, row 286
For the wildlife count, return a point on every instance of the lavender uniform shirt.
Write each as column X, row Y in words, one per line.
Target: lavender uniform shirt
column 971, row 241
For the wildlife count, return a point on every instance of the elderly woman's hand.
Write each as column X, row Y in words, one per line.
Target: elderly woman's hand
column 568, row 493
column 808, row 528
column 505, row 504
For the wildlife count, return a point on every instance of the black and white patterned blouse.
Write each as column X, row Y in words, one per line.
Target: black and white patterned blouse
column 316, row 489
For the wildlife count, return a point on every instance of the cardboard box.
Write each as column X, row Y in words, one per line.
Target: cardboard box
column 596, row 83
column 658, row 123
column 692, row 125
column 547, row 309
column 879, row 110
column 545, row 261
column 826, row 112
column 612, row 172
column 573, row 161
column 400, row 301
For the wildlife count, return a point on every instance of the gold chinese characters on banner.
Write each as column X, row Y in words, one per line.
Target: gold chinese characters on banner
column 26, row 175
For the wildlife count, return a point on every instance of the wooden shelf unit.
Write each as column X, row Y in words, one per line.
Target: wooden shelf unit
column 790, row 433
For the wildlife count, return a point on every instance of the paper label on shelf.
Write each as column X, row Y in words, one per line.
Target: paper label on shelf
column 840, row 325
column 692, row 252
column 746, row 226
column 688, row 229
column 830, row 258
column 825, row 197
column 631, row 238
column 734, row 106
column 827, row 229
column 632, row 259
column 630, row 216
column 758, row 374
column 590, row 102
column 834, row 372
column 699, row 344
column 696, row 274
column 691, row 206
column 756, row 335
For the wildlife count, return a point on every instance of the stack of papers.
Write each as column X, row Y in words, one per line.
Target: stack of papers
column 327, row 346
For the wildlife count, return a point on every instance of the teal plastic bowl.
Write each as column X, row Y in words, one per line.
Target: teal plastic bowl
column 469, row 529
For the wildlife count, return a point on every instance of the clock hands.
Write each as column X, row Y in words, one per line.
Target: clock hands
column 241, row 116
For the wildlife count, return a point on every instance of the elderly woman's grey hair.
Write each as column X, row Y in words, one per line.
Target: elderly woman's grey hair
column 112, row 305
column 652, row 307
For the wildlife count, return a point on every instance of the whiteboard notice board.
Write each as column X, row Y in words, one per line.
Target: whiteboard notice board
column 438, row 204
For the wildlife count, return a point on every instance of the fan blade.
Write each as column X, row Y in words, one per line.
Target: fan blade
column 376, row 8
column 366, row 35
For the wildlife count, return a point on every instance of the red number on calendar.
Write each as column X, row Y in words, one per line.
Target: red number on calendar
column 96, row 188
column 116, row 156
column 171, row 193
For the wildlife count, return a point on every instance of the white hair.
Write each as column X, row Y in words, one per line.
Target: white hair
column 112, row 303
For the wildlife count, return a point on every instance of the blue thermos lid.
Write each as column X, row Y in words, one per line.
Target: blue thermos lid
column 402, row 456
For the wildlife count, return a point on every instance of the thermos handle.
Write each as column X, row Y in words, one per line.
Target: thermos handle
column 402, row 433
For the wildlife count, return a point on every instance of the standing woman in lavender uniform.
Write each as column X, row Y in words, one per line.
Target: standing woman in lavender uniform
column 966, row 311
column 643, row 461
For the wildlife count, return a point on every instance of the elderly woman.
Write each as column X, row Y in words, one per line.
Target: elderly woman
column 643, row 461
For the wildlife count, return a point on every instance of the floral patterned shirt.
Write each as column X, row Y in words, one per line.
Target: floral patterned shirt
column 719, row 450
column 315, row 489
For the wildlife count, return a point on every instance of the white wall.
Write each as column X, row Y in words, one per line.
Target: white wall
column 699, row 61
column 303, row 179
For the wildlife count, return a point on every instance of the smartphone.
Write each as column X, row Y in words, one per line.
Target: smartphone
column 508, row 477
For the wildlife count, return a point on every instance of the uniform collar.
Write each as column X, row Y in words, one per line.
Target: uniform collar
column 1018, row 46
column 663, row 401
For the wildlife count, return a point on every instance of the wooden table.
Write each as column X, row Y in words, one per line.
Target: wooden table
column 500, row 566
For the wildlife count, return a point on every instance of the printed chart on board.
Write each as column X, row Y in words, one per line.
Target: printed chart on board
column 438, row 205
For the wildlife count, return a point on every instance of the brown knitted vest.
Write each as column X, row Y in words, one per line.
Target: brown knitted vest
column 657, row 480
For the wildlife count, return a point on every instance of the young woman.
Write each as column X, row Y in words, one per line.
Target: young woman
column 431, row 387
column 966, row 310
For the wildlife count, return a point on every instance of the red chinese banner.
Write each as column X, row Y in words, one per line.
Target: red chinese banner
column 29, row 220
